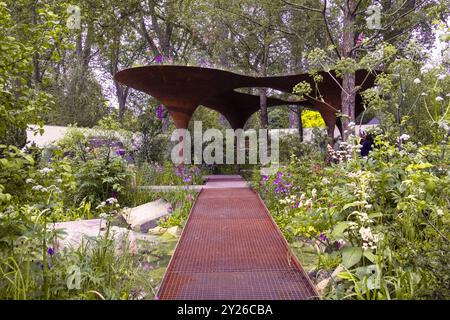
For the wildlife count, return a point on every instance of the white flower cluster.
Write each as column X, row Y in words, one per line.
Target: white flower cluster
column 404, row 137
column 45, row 170
column 298, row 202
column 369, row 239
column 39, row 188
column 109, row 201
column 51, row 188
column 363, row 217
column 344, row 153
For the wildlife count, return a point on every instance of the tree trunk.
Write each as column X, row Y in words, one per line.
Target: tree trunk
column 122, row 95
column 263, row 91
column 300, row 123
column 348, row 93
column 263, row 106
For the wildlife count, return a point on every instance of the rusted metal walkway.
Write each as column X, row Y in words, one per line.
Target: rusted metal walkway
column 231, row 249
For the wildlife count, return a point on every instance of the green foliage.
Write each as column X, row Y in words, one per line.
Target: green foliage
column 384, row 217
column 78, row 100
column 20, row 102
column 152, row 146
column 98, row 171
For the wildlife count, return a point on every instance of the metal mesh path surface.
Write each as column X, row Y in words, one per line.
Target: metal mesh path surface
column 231, row 249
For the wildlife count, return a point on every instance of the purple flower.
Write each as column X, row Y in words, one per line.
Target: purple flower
column 323, row 237
column 160, row 112
column 264, row 178
column 114, row 194
column 120, row 152
column 279, row 174
column 159, row 59
column 180, row 170
column 50, row 251
column 339, row 244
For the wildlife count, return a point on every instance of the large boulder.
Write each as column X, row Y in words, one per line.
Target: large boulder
column 75, row 232
column 146, row 216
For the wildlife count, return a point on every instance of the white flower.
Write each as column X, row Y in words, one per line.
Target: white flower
column 101, row 205
column 366, row 234
column 103, row 216
column 325, row 180
column 352, row 225
column 45, row 170
column 308, row 203
column 363, row 216
column 447, row 95
column 111, row 200
column 314, row 193
column 424, row 94
column 29, row 180
column 417, row 81
column 439, row 98
column 444, row 125
column 59, row 180
column 351, row 124
column 440, row 212
column 441, row 77
column 404, row 137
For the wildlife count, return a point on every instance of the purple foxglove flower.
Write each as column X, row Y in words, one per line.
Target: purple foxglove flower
column 160, row 112
column 120, row 152
column 159, row 59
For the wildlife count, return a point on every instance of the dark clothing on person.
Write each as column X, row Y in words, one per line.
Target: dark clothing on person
column 366, row 147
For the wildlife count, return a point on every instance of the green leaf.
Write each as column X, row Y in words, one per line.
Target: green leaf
column 351, row 256
column 339, row 229
column 375, row 215
column 369, row 255
column 354, row 204
column 345, row 275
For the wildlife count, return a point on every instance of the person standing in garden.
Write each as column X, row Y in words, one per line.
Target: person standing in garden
column 367, row 143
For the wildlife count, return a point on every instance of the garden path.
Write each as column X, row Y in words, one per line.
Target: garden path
column 232, row 249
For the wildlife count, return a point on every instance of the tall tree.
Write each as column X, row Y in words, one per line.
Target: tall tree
column 351, row 35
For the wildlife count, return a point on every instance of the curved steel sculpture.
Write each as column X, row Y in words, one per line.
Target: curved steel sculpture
column 182, row 89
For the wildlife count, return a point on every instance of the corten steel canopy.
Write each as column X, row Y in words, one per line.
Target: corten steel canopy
column 182, row 89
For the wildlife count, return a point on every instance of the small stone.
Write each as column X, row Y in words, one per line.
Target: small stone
column 157, row 230
column 175, row 231
column 146, row 216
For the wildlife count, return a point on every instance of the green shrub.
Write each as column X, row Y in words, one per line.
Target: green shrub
column 384, row 217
